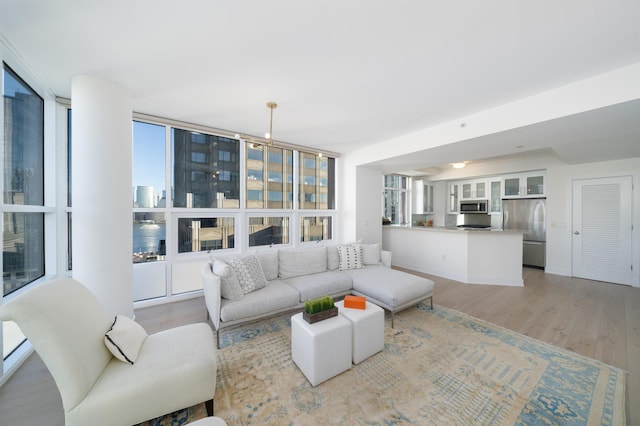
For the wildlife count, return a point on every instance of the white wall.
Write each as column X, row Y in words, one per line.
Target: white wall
column 346, row 192
column 368, row 205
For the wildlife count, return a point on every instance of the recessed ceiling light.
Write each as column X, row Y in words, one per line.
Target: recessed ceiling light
column 458, row 165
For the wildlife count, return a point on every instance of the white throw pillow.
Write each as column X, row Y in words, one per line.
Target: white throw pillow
column 370, row 254
column 350, row 257
column 125, row 339
column 249, row 272
column 229, row 284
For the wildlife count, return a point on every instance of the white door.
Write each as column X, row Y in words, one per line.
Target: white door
column 602, row 229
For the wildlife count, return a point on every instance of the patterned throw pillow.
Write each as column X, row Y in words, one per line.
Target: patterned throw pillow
column 249, row 272
column 229, row 284
column 350, row 257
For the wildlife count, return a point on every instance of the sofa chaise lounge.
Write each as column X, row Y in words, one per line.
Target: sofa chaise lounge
column 244, row 288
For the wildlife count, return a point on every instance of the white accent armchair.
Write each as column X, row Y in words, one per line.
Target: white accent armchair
column 66, row 324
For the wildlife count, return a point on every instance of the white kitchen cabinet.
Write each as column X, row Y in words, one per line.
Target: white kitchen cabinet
column 453, row 197
column 495, row 195
column 428, row 194
column 473, row 189
column 522, row 185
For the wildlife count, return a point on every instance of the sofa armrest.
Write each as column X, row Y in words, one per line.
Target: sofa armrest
column 212, row 294
column 385, row 256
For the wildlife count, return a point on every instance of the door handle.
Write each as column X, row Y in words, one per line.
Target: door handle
column 576, row 232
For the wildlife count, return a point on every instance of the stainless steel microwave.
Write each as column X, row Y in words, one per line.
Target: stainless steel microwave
column 474, row 206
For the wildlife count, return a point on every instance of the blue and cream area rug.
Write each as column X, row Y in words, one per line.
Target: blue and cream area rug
column 438, row 367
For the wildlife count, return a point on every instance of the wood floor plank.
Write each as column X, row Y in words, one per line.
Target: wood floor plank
column 611, row 342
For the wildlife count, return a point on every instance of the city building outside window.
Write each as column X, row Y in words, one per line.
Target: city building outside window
column 209, row 156
column 268, row 231
column 205, row 233
column 315, row 228
column 23, row 176
column 317, row 181
column 275, row 164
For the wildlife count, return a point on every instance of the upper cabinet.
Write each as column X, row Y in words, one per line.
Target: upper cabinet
column 453, row 195
column 521, row 185
column 494, row 189
column 428, row 193
column 473, row 189
column 495, row 195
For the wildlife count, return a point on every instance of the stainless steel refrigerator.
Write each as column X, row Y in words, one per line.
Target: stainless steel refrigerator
column 528, row 215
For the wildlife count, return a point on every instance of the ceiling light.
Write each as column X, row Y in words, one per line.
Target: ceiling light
column 269, row 134
column 458, row 165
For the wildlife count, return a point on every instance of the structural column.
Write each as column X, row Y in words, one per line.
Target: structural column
column 101, row 147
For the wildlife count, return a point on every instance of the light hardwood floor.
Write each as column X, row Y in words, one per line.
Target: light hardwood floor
column 595, row 319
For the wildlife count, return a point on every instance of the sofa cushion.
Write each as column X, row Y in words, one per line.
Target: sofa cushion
column 297, row 262
column 321, row 284
column 124, row 339
column 350, row 257
column 370, row 254
column 392, row 288
column 229, row 284
column 272, row 298
column 269, row 262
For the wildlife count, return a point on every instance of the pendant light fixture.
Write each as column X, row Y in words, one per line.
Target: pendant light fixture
column 269, row 135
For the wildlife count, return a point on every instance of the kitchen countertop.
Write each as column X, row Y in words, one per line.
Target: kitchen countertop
column 472, row 256
column 451, row 229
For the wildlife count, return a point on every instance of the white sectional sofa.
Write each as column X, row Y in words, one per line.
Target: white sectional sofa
column 243, row 288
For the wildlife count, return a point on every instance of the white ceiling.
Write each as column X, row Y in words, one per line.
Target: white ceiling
column 345, row 74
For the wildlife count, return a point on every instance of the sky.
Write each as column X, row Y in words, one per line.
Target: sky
column 149, row 156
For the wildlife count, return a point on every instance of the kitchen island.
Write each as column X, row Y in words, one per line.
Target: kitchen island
column 478, row 256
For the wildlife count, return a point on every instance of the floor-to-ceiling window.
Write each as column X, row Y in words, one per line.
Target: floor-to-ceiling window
column 23, row 212
column 395, row 199
column 197, row 192
column 316, row 182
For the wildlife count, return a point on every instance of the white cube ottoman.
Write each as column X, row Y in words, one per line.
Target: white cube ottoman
column 321, row 350
column 368, row 329
column 208, row 421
